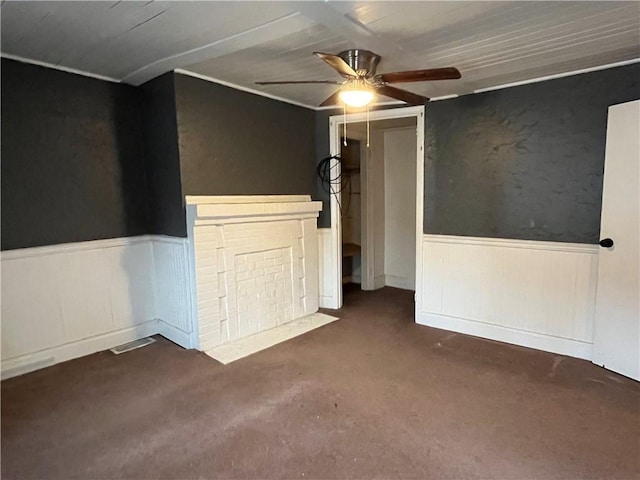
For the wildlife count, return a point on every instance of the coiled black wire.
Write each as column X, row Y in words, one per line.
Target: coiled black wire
column 336, row 184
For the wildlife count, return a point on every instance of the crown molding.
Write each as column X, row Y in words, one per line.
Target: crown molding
column 558, row 75
column 61, row 68
column 244, row 89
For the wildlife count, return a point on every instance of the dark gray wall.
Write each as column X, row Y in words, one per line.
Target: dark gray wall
column 72, row 161
column 162, row 158
column 523, row 162
column 232, row 142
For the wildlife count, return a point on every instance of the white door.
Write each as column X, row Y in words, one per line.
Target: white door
column 616, row 340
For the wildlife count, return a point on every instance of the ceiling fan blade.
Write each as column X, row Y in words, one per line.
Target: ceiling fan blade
column 334, row 99
column 337, row 63
column 448, row 73
column 287, row 82
column 408, row 97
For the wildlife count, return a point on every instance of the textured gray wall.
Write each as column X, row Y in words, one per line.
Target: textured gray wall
column 72, row 161
column 523, row 162
column 162, row 158
column 234, row 143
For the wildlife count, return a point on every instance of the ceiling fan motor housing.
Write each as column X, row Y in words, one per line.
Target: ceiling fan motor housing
column 364, row 62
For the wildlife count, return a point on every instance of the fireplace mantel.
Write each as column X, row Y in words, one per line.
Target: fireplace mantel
column 219, row 210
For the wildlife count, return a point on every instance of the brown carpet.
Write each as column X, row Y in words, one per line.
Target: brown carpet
column 370, row 396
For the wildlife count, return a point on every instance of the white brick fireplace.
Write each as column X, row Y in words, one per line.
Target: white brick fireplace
column 254, row 264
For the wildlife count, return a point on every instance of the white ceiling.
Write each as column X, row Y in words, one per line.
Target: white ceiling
column 491, row 43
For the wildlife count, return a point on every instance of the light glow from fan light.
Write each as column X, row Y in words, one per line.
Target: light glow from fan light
column 356, row 97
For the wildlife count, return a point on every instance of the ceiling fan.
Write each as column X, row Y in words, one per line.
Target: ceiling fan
column 358, row 68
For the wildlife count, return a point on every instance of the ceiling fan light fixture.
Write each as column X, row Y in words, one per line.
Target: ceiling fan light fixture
column 356, row 97
column 361, row 84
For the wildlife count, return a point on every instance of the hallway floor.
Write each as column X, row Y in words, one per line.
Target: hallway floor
column 372, row 395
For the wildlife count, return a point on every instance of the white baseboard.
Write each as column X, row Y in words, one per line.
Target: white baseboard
column 177, row 336
column 563, row 346
column 395, row 281
column 378, row 282
column 50, row 356
column 328, row 302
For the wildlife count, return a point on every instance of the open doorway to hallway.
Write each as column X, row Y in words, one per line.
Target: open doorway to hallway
column 372, row 258
column 378, row 204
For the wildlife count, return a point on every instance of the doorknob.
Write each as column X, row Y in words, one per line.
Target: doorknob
column 606, row 243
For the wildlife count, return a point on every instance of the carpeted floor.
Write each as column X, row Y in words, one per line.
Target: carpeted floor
column 370, row 396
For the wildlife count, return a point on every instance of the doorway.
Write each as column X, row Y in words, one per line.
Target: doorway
column 378, row 204
column 352, row 209
column 382, row 247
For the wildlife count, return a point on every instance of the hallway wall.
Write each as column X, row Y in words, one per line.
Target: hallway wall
column 400, row 207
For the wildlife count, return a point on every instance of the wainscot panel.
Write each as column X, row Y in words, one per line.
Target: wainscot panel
column 535, row 294
column 172, row 290
column 326, row 270
column 65, row 301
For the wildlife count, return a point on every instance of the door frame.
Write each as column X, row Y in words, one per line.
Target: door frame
column 335, row 124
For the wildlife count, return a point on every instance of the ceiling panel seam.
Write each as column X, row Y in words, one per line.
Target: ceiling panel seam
column 254, row 36
column 506, row 33
column 334, row 20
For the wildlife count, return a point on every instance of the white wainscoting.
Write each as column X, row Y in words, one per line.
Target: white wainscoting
column 326, row 271
column 65, row 301
column 172, row 290
column 536, row 294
